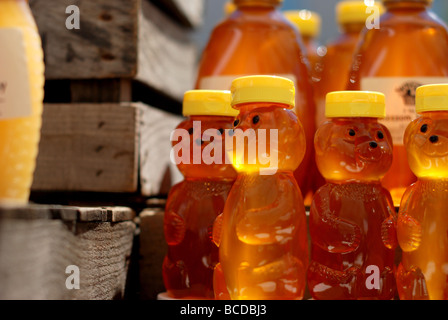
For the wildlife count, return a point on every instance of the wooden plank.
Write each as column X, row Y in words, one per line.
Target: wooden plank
column 36, row 250
column 167, row 59
column 153, row 249
column 130, row 39
column 88, row 147
column 189, row 13
column 106, row 148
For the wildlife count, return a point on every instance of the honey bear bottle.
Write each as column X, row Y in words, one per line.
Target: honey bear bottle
column 194, row 203
column 422, row 225
column 21, row 99
column 257, row 39
column 351, row 16
column 262, row 235
column 352, row 217
column 409, row 49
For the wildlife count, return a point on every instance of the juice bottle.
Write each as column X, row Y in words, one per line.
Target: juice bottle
column 262, row 235
column 257, row 39
column 21, row 99
column 351, row 17
column 309, row 24
column 193, row 204
column 408, row 50
column 422, row 225
column 352, row 217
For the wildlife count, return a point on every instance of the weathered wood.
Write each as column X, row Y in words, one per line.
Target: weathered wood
column 152, row 252
column 189, row 13
column 38, row 243
column 105, row 148
column 129, row 39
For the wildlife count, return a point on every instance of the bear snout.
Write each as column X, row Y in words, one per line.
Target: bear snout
column 373, row 144
column 434, row 139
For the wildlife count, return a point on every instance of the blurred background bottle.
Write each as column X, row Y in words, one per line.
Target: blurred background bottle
column 409, row 49
column 257, row 39
column 21, row 99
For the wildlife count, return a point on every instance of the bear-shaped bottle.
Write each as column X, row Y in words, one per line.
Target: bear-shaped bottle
column 352, row 217
column 422, row 224
column 193, row 204
column 262, row 235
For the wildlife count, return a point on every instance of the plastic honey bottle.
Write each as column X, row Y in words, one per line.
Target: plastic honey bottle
column 352, row 217
column 194, row 203
column 309, row 24
column 351, row 17
column 257, row 39
column 21, row 99
column 422, row 225
column 262, row 233
column 409, row 49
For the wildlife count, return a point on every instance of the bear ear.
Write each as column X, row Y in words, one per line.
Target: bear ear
column 410, row 131
column 322, row 139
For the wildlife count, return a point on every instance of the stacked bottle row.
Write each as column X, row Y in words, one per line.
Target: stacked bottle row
column 236, row 227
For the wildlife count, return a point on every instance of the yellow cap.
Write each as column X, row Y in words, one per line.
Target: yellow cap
column 351, row 104
column 263, row 89
column 229, row 8
column 433, row 97
column 308, row 22
column 208, row 103
column 353, row 11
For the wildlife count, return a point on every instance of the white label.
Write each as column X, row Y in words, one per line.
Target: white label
column 225, row 82
column 400, row 100
column 15, row 100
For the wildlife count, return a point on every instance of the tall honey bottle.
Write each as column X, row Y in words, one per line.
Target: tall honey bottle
column 257, row 39
column 409, row 49
column 21, row 99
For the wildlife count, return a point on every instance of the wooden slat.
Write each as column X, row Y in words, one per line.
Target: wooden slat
column 105, row 148
column 130, row 39
column 36, row 249
column 190, row 13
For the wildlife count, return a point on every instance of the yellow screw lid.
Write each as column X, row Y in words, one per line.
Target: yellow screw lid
column 433, row 97
column 308, row 22
column 208, row 103
column 353, row 11
column 229, row 8
column 351, row 104
column 263, row 89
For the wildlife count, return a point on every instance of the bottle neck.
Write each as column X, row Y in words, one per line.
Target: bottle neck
column 392, row 5
column 257, row 3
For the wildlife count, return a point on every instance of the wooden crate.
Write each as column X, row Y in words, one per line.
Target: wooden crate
column 39, row 243
column 126, row 41
column 108, row 147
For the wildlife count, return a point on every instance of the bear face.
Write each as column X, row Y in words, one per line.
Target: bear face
column 275, row 139
column 426, row 142
column 358, row 149
column 204, row 148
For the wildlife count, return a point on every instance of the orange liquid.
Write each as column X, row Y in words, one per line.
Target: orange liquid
column 19, row 137
column 409, row 43
column 422, row 225
column 262, row 235
column 351, row 225
column 191, row 210
column 258, row 40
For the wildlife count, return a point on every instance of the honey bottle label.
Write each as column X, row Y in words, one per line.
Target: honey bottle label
column 400, row 100
column 15, row 100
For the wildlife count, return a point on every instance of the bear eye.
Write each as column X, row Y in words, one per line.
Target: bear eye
column 220, row 131
column 236, row 122
column 256, row 119
column 424, row 128
column 380, row 135
column 190, row 131
column 351, row 133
